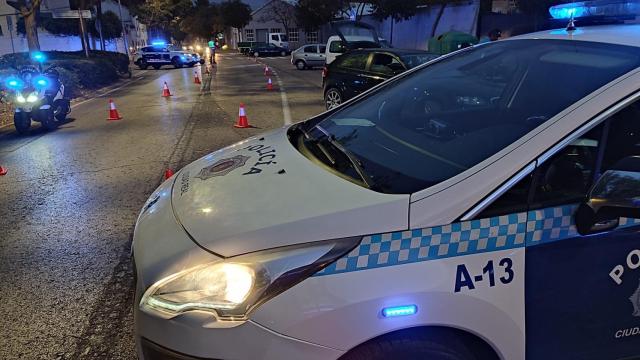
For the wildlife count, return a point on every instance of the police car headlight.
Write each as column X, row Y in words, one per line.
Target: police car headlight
column 231, row 288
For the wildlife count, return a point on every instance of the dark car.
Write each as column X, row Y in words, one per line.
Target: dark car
column 269, row 50
column 359, row 70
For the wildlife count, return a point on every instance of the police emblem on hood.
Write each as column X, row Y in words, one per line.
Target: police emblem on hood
column 222, row 167
column 635, row 300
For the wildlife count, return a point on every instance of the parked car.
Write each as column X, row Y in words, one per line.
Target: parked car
column 269, row 50
column 308, row 56
column 245, row 46
column 359, row 70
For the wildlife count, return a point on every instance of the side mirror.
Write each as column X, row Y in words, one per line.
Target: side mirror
column 616, row 194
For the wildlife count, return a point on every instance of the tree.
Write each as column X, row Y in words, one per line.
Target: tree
column 397, row 10
column 311, row 14
column 203, row 21
column 28, row 9
column 235, row 13
column 282, row 13
column 111, row 26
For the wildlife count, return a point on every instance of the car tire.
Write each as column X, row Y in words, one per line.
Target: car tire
column 332, row 98
column 157, row 67
column 22, row 122
column 142, row 64
column 300, row 65
column 256, row 54
column 413, row 344
column 177, row 63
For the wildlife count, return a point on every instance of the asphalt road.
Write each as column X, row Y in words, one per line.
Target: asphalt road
column 70, row 200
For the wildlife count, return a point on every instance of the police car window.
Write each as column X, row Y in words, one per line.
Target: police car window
column 623, row 136
column 456, row 112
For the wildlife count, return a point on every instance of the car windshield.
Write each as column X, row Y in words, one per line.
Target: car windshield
column 449, row 116
column 413, row 60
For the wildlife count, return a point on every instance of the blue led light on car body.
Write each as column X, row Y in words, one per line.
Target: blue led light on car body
column 596, row 8
column 404, row 310
column 38, row 56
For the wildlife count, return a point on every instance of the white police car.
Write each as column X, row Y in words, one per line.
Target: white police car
column 483, row 206
column 159, row 53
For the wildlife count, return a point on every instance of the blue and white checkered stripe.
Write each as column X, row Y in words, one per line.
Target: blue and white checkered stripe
column 469, row 237
column 464, row 238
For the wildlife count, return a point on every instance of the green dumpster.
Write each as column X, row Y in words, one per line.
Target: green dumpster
column 451, row 41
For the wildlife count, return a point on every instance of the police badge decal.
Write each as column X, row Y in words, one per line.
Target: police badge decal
column 222, row 167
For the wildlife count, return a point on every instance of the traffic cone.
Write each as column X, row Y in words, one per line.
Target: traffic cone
column 165, row 90
column 113, row 112
column 269, row 84
column 267, row 71
column 3, row 171
column 196, row 79
column 168, row 173
column 243, row 122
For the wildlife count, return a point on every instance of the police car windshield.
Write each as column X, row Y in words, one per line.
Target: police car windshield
column 449, row 116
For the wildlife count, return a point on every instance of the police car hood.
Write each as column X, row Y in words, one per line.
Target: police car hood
column 262, row 193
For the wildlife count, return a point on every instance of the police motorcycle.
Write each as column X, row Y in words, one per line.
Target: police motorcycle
column 39, row 96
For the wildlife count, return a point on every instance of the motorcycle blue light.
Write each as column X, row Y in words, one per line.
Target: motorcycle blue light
column 38, row 56
column 14, row 83
column 40, row 81
column 399, row 310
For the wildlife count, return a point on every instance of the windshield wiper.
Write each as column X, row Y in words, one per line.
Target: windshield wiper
column 318, row 144
column 355, row 163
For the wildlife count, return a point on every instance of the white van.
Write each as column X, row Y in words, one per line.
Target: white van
column 279, row 39
column 355, row 35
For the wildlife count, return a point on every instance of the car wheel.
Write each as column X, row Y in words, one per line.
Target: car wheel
column 256, row 54
column 177, row 63
column 332, row 98
column 409, row 345
column 143, row 65
column 157, row 67
column 22, row 122
column 301, row 65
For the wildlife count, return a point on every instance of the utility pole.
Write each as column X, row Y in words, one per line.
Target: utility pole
column 99, row 23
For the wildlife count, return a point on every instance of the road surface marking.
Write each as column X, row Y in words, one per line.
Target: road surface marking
column 286, row 112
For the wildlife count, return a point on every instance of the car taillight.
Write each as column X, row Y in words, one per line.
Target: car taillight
column 324, row 72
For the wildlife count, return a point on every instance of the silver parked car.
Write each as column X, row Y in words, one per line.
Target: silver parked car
column 308, row 56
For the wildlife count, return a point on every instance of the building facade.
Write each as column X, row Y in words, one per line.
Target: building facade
column 11, row 41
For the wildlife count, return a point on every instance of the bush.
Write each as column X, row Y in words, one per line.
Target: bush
column 76, row 71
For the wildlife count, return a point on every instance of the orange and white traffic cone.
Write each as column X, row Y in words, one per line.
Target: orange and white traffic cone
column 267, row 71
column 243, row 122
column 3, row 171
column 165, row 90
column 113, row 112
column 269, row 84
column 196, row 79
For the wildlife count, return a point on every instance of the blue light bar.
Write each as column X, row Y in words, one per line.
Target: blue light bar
column 399, row 310
column 596, row 8
column 158, row 43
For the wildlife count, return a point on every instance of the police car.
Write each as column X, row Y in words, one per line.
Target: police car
column 159, row 53
column 485, row 205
